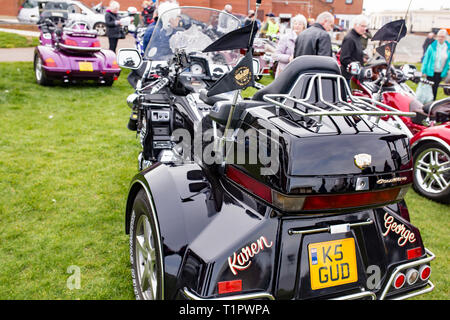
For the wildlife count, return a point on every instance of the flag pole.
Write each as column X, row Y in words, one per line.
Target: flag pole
column 391, row 58
column 238, row 92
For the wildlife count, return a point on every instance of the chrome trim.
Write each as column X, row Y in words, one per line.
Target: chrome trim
column 430, row 257
column 65, row 46
column 330, row 227
column 359, row 295
column 435, row 139
column 370, row 108
column 158, row 234
column 246, row 296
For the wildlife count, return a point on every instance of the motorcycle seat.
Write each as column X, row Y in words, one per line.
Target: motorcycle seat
column 212, row 99
column 221, row 110
column 300, row 65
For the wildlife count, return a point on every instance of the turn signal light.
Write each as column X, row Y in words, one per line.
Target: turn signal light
column 424, row 272
column 115, row 65
column 49, row 62
column 399, row 281
column 229, row 286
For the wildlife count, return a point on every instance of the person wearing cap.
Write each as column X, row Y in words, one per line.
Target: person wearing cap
column 315, row 40
column 147, row 12
column 271, row 27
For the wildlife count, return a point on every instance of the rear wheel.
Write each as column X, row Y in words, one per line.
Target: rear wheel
column 39, row 73
column 432, row 172
column 145, row 250
column 100, row 27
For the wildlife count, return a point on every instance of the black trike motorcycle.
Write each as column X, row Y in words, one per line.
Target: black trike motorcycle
column 296, row 193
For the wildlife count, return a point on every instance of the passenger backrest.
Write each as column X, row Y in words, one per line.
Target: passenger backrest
column 300, row 65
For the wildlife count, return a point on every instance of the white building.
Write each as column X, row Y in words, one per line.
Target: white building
column 417, row 20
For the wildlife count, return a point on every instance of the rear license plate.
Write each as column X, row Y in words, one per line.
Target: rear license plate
column 85, row 66
column 332, row 263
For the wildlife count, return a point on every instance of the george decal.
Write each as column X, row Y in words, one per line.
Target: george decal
column 241, row 261
column 400, row 229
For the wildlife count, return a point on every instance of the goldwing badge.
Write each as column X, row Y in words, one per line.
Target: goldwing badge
column 363, row 160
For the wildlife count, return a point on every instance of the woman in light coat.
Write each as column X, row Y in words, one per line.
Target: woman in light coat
column 436, row 62
column 285, row 47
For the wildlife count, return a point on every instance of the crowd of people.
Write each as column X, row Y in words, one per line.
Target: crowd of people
column 300, row 37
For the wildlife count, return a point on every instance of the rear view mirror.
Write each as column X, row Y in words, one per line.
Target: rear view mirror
column 129, row 58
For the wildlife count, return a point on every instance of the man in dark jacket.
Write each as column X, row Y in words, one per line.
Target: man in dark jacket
column 315, row 40
column 352, row 49
column 428, row 40
column 113, row 25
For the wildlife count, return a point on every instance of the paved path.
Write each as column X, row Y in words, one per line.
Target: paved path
column 26, row 54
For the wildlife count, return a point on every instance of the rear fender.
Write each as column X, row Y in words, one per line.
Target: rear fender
column 181, row 214
column 48, row 52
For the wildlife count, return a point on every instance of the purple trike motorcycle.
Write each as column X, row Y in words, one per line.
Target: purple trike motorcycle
column 69, row 51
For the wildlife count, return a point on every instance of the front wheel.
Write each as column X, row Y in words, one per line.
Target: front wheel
column 145, row 250
column 432, row 172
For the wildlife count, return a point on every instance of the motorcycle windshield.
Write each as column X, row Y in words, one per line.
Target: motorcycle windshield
column 191, row 29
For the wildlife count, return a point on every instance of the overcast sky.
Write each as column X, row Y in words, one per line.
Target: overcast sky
column 381, row 5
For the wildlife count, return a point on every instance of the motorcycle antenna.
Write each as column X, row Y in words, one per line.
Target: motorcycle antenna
column 394, row 47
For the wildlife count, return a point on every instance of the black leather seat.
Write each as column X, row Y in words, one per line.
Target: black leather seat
column 298, row 66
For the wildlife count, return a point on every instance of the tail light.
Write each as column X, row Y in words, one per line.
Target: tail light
column 49, row 62
column 95, row 44
column 399, row 281
column 424, row 272
column 291, row 203
column 266, row 71
column 71, row 42
column 229, row 286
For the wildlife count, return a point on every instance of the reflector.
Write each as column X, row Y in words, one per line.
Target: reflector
column 229, row 286
column 414, row 253
column 411, row 276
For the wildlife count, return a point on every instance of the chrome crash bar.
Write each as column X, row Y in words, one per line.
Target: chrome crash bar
column 360, row 295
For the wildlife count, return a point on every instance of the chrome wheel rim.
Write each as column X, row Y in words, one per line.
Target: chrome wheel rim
column 145, row 258
column 432, row 170
column 38, row 69
column 101, row 29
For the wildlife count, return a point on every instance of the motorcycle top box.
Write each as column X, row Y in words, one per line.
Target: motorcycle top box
column 296, row 193
column 69, row 51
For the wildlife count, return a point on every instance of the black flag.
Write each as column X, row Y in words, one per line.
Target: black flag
column 240, row 77
column 386, row 51
column 391, row 31
column 236, row 39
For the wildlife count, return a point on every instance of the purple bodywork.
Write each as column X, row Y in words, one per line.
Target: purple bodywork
column 73, row 53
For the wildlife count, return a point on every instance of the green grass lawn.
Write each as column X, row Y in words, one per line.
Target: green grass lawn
column 66, row 160
column 12, row 40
